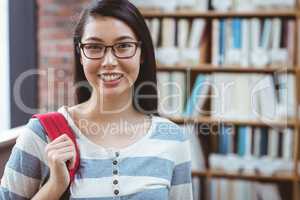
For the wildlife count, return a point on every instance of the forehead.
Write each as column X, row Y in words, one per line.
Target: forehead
column 108, row 29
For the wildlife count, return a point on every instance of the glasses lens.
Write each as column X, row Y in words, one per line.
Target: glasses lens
column 125, row 49
column 94, row 50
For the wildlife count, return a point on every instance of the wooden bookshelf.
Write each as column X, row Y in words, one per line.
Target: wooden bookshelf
column 293, row 177
column 209, row 120
column 215, row 14
column 241, row 176
column 208, row 68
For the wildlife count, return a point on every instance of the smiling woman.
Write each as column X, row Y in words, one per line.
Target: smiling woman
column 138, row 155
column 110, row 59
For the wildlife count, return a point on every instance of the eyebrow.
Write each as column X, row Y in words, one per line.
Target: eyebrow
column 117, row 39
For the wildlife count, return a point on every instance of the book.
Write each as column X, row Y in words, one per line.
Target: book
column 215, row 42
column 192, row 54
column 286, row 107
column 164, row 100
column 268, row 106
column 246, row 43
column 291, row 44
column 154, row 30
column 264, row 141
column 273, row 143
column 232, row 96
column 225, row 140
column 167, row 53
column 198, row 96
column 256, row 142
column 244, row 141
column 255, row 38
column 171, row 93
column 177, row 88
column 222, row 42
column 183, row 33
column 288, row 144
column 234, row 40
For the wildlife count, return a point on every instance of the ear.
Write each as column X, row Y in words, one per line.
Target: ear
column 79, row 53
column 78, row 49
column 80, row 60
column 142, row 58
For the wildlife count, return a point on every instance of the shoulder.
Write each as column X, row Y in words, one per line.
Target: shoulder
column 165, row 129
column 28, row 132
column 30, row 143
column 174, row 138
column 35, row 129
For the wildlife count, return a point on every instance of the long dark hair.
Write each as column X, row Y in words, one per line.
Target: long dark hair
column 145, row 95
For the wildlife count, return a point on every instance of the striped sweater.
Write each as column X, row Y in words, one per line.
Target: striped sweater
column 157, row 167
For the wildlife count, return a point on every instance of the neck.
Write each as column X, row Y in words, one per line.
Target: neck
column 99, row 108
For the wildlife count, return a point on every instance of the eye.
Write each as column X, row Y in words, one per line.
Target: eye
column 94, row 47
column 124, row 45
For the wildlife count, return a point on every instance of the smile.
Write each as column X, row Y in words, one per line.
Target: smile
column 110, row 77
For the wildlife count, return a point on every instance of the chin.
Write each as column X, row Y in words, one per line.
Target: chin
column 112, row 92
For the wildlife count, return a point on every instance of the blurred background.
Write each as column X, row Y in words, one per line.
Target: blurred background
column 227, row 71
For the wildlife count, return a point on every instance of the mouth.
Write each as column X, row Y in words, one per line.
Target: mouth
column 109, row 77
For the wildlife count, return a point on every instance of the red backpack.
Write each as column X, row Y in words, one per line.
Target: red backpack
column 55, row 125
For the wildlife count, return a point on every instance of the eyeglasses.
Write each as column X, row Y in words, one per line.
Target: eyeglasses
column 121, row 50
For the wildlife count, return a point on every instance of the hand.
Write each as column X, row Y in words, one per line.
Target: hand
column 58, row 152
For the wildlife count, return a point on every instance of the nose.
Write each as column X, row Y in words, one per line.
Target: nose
column 109, row 59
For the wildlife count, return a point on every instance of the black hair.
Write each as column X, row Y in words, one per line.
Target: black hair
column 145, row 95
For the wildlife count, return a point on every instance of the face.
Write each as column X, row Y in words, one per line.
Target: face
column 110, row 76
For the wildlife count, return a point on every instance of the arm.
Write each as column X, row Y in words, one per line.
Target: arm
column 58, row 152
column 25, row 168
column 30, row 162
column 49, row 188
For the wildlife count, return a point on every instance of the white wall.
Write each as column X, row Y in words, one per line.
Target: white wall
column 4, row 67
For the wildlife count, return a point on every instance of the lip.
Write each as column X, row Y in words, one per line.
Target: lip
column 110, row 72
column 112, row 83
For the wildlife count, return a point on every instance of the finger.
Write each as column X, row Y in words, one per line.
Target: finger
column 61, row 158
column 62, row 145
column 52, row 151
column 50, row 147
column 65, row 150
column 63, row 137
column 60, row 151
column 72, row 161
column 66, row 156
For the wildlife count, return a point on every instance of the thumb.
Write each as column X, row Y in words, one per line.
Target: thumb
column 71, row 163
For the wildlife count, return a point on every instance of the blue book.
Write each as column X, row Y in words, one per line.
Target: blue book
column 222, row 39
column 266, row 33
column 224, row 139
column 264, row 142
column 242, row 137
column 236, row 33
column 190, row 109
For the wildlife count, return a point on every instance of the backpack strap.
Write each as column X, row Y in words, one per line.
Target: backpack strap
column 56, row 125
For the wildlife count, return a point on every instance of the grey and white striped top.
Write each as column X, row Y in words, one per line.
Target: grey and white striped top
column 157, row 167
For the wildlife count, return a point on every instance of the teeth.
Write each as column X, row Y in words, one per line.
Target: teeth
column 110, row 77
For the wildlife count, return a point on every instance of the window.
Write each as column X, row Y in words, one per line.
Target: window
column 4, row 67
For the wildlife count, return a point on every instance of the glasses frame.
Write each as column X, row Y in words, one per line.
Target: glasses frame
column 137, row 45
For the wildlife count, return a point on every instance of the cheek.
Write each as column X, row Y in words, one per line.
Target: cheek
column 135, row 65
column 132, row 70
column 90, row 68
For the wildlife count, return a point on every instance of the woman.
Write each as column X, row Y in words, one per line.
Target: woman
column 148, row 158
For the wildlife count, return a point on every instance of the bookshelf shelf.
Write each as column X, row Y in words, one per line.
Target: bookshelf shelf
column 208, row 68
column 259, row 178
column 214, row 14
column 209, row 120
